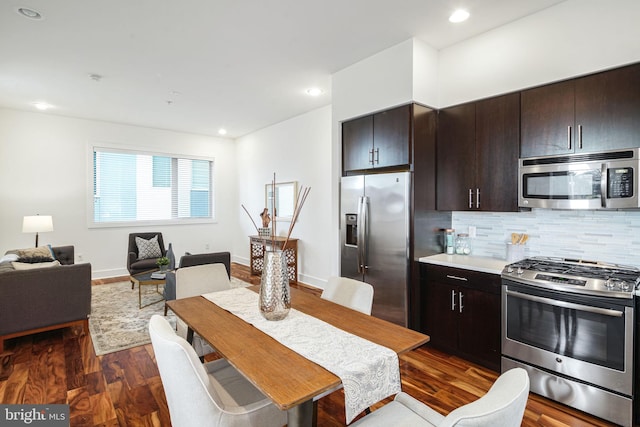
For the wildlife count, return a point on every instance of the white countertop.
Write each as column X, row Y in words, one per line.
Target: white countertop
column 467, row 262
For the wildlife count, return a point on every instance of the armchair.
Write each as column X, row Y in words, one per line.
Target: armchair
column 502, row 406
column 136, row 265
column 189, row 260
column 214, row 393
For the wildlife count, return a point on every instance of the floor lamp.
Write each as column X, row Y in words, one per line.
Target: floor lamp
column 37, row 224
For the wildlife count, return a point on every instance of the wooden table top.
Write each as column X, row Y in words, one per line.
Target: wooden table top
column 284, row 376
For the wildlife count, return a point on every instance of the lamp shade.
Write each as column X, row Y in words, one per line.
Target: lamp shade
column 37, row 223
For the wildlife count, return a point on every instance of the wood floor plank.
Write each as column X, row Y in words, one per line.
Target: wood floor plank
column 124, row 389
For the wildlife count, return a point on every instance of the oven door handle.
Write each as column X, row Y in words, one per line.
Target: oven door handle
column 564, row 304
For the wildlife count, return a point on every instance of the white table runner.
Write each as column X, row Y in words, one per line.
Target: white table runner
column 369, row 372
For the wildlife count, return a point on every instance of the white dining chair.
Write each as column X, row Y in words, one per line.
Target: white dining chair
column 198, row 280
column 209, row 394
column 502, row 406
column 350, row 293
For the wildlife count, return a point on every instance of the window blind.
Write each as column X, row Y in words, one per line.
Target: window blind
column 137, row 186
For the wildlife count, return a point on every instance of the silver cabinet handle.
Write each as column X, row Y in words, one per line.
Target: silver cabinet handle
column 460, row 306
column 565, row 304
column 371, row 156
column 377, row 156
column 580, row 137
column 568, row 137
column 477, row 198
column 453, row 300
column 470, row 199
column 464, row 279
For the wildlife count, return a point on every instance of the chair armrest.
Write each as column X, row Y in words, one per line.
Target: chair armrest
column 419, row 408
column 131, row 258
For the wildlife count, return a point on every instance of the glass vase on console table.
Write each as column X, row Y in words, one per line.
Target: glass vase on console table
column 275, row 295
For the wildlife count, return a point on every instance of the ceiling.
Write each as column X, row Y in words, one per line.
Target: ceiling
column 199, row 65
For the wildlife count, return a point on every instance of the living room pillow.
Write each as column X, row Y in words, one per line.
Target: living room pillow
column 39, row 252
column 28, row 266
column 148, row 248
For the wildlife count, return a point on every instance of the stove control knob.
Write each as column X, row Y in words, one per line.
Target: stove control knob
column 509, row 269
column 624, row 285
column 520, row 270
column 610, row 284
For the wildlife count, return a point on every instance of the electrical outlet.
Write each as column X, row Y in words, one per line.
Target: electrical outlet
column 472, row 231
column 206, row 247
column 80, row 257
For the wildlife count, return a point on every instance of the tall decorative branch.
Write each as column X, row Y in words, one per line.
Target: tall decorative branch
column 301, row 197
column 254, row 223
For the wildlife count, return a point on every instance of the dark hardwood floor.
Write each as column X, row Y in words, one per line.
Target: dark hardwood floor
column 124, row 388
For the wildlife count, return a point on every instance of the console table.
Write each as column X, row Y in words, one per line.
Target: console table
column 259, row 244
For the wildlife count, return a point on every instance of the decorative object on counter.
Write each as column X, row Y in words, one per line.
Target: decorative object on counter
column 449, row 234
column 515, row 248
column 463, row 246
column 162, row 263
column 275, row 299
column 37, row 224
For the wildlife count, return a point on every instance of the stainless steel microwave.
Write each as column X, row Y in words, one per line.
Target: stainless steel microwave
column 603, row 180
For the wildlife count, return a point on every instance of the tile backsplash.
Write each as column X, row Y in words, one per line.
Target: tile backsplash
column 609, row 236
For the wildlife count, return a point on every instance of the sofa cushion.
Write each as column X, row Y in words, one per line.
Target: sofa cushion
column 8, row 258
column 148, row 248
column 28, row 266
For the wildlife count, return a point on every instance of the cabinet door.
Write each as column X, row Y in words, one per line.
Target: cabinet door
column 497, row 149
column 547, row 120
column 479, row 327
column 357, row 144
column 442, row 318
column 608, row 110
column 392, row 137
column 456, row 156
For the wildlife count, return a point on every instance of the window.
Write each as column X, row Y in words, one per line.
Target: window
column 131, row 186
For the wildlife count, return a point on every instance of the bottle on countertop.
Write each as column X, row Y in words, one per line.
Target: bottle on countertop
column 449, row 240
column 463, row 246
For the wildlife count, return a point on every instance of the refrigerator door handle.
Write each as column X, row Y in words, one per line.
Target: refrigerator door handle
column 363, row 225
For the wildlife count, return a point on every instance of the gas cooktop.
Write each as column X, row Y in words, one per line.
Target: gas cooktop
column 578, row 276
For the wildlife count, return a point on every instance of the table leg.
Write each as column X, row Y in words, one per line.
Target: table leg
column 301, row 415
column 189, row 335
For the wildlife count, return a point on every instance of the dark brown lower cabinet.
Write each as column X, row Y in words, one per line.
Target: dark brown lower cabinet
column 462, row 310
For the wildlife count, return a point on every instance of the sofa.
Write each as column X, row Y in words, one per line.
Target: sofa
column 38, row 298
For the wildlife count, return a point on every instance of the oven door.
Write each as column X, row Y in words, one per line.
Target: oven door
column 584, row 337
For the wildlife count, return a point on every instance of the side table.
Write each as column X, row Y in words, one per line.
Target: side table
column 258, row 245
column 144, row 279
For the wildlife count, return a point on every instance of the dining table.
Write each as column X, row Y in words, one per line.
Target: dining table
column 288, row 379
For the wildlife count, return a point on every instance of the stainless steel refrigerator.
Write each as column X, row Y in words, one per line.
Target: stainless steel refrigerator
column 374, row 239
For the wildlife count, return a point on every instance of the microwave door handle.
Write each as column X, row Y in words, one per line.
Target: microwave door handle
column 603, row 185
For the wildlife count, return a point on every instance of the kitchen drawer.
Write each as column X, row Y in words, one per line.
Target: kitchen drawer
column 466, row 278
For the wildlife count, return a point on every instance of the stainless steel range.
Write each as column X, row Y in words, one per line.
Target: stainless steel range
column 570, row 324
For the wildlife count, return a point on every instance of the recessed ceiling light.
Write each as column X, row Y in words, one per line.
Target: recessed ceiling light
column 42, row 106
column 29, row 13
column 222, row 131
column 314, row 91
column 459, row 15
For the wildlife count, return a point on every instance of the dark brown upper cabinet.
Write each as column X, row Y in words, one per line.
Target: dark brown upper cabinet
column 477, row 152
column 381, row 140
column 593, row 113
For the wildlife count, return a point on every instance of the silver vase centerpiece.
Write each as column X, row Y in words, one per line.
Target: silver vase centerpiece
column 275, row 295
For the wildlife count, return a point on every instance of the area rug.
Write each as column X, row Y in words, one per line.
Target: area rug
column 116, row 322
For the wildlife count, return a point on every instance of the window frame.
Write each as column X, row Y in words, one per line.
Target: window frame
column 92, row 147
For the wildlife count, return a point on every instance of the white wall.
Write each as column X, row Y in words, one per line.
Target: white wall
column 573, row 38
column 298, row 149
column 43, row 168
